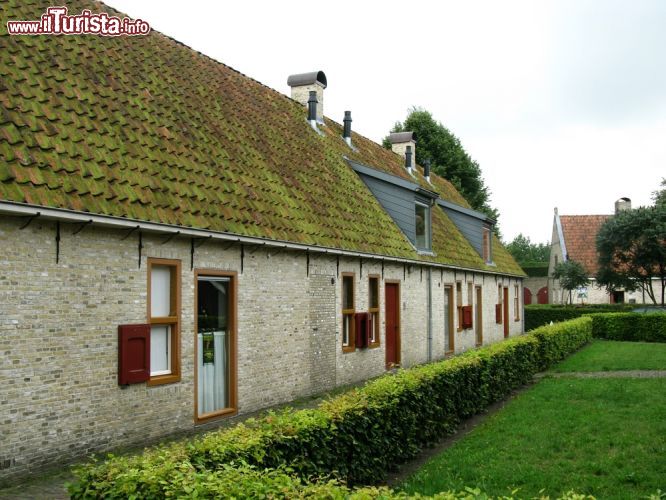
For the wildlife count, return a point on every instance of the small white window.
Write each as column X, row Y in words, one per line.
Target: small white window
column 422, row 213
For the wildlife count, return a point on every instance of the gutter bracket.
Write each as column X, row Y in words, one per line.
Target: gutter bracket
column 129, row 233
column 30, row 219
column 170, row 237
column 140, row 247
column 82, row 226
column 57, row 240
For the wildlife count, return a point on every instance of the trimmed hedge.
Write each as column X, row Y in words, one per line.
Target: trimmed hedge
column 355, row 437
column 542, row 314
column 248, row 482
column 636, row 327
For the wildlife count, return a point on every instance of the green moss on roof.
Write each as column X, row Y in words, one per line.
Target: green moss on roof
column 146, row 128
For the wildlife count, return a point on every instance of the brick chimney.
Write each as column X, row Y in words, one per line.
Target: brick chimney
column 301, row 86
column 404, row 144
column 622, row 204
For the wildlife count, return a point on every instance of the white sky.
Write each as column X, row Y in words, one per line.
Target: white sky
column 562, row 103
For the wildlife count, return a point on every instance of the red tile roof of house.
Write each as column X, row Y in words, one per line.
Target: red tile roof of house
column 580, row 236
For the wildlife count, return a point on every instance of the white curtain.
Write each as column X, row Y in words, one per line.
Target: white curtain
column 212, row 376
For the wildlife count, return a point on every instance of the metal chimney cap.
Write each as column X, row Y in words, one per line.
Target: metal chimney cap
column 400, row 137
column 307, row 79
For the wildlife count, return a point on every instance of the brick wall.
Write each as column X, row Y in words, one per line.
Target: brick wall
column 60, row 400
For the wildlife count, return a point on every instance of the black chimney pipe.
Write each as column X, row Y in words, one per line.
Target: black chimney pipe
column 347, row 123
column 426, row 168
column 312, row 106
column 408, row 157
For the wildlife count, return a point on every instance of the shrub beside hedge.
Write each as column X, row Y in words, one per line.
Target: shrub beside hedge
column 636, row 327
column 355, row 437
column 542, row 314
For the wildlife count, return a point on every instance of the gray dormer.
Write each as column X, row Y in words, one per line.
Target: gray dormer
column 407, row 203
column 475, row 226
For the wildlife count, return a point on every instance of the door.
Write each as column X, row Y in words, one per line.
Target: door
column 449, row 340
column 392, row 325
column 479, row 316
column 505, row 311
column 542, row 295
column 527, row 296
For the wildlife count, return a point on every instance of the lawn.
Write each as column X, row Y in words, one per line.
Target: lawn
column 604, row 437
column 608, row 355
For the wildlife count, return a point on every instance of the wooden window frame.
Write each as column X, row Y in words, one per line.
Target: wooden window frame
column 459, row 305
column 351, row 346
column 516, row 303
column 478, row 315
column 173, row 320
column 450, row 287
column 374, row 311
column 233, row 348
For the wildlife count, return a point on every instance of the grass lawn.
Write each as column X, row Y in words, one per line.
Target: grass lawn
column 608, row 355
column 603, row 437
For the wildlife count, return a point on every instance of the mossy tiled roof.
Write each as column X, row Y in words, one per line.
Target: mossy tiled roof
column 146, row 128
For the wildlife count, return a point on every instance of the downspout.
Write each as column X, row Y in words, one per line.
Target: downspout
column 429, row 314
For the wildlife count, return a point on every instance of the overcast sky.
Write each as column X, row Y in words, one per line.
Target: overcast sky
column 562, row 103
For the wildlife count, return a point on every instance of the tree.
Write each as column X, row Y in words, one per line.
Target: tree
column 572, row 275
column 523, row 250
column 447, row 158
column 659, row 196
column 632, row 251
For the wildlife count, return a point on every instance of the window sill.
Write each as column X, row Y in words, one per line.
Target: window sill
column 163, row 379
column 374, row 345
column 227, row 412
column 348, row 349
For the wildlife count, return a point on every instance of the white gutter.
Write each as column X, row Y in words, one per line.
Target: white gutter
column 65, row 215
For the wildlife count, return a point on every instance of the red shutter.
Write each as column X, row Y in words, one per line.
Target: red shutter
column 467, row 317
column 133, row 354
column 498, row 313
column 362, row 331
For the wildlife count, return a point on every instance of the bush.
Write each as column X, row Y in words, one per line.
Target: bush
column 636, row 327
column 355, row 437
column 559, row 340
column 543, row 314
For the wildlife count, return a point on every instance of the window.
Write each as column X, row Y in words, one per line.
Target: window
column 373, row 310
column 215, row 303
column 516, row 303
column 487, row 251
column 164, row 319
column 422, row 226
column 459, row 304
column 348, row 310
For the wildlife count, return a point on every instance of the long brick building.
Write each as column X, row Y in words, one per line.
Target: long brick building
column 180, row 244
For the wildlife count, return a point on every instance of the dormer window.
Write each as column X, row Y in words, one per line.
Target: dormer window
column 487, row 247
column 423, row 232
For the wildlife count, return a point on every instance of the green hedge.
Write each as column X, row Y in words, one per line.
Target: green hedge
column 636, row 327
column 355, row 437
column 248, row 482
column 542, row 314
column 535, row 269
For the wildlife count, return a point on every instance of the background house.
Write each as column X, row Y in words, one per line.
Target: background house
column 182, row 244
column 574, row 238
